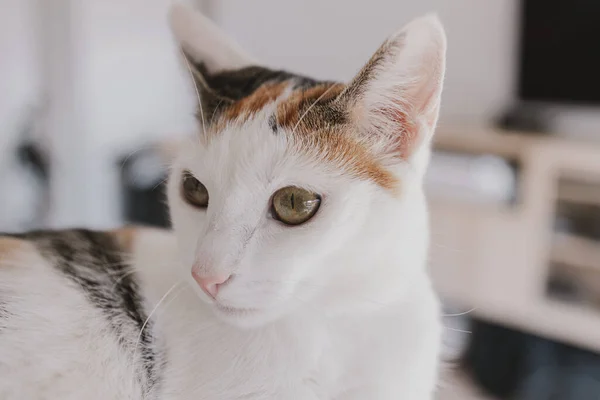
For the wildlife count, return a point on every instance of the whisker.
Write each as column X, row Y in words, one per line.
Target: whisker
column 123, row 276
column 459, row 314
column 160, row 183
column 131, row 154
column 189, row 68
column 457, row 330
column 174, row 297
column 216, row 108
column 150, row 316
column 310, row 107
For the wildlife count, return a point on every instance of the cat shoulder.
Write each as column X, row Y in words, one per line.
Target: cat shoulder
column 148, row 248
column 13, row 249
column 134, row 238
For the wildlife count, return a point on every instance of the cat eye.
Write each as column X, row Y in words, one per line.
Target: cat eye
column 294, row 206
column 193, row 191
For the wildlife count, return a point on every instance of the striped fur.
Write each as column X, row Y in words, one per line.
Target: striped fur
column 97, row 265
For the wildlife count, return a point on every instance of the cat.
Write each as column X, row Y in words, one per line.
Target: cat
column 296, row 268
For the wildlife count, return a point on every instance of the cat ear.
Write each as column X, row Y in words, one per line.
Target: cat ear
column 394, row 100
column 207, row 50
column 204, row 42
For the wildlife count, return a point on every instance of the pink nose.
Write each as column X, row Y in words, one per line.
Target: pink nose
column 210, row 285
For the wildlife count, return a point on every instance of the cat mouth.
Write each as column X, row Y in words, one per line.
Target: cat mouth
column 228, row 310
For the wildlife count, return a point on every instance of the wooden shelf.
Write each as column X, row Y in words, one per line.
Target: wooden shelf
column 496, row 260
column 575, row 251
column 579, row 192
column 563, row 322
column 481, row 140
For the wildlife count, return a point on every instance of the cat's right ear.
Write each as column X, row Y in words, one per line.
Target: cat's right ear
column 207, row 50
column 204, row 42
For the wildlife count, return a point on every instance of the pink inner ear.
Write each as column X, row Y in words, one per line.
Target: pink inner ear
column 405, row 131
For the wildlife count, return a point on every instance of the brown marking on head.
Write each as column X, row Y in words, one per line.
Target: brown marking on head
column 319, row 126
column 317, row 118
column 126, row 237
column 243, row 109
column 341, row 148
column 11, row 248
column 306, row 107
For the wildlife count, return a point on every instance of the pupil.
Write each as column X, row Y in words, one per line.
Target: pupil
column 191, row 185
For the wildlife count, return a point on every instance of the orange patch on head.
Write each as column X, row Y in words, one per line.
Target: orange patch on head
column 11, row 248
column 250, row 105
column 320, row 127
column 297, row 108
column 342, row 149
column 318, row 124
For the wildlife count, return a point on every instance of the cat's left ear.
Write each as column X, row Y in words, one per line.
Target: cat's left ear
column 394, row 100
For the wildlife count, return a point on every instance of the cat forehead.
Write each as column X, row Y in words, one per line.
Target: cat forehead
column 239, row 95
column 303, row 110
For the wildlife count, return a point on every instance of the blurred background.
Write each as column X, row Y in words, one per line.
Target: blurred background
column 93, row 100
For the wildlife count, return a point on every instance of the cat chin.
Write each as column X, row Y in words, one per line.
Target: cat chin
column 245, row 318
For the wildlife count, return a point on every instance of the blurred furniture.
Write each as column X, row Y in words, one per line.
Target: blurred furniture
column 143, row 187
column 98, row 108
column 497, row 257
column 456, row 385
column 510, row 364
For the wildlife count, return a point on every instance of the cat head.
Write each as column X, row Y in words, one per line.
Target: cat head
column 298, row 194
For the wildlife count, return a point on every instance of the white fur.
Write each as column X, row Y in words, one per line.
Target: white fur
column 344, row 299
column 346, row 293
column 58, row 346
column 338, row 308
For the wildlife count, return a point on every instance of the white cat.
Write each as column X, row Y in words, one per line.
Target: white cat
column 297, row 266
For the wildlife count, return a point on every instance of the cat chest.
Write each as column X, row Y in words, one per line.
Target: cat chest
column 262, row 366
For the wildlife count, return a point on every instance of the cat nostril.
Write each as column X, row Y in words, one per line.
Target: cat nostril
column 210, row 284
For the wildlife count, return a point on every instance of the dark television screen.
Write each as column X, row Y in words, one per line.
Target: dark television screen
column 560, row 51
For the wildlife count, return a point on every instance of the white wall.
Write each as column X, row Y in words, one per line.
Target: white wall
column 19, row 69
column 332, row 38
column 115, row 84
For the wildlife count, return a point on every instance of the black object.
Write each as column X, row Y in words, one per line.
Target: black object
column 578, row 219
column 144, row 196
column 495, row 357
column 559, row 60
column 526, row 118
column 513, row 365
column 31, row 156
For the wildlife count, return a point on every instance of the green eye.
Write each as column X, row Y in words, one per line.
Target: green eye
column 295, row 206
column 193, row 191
